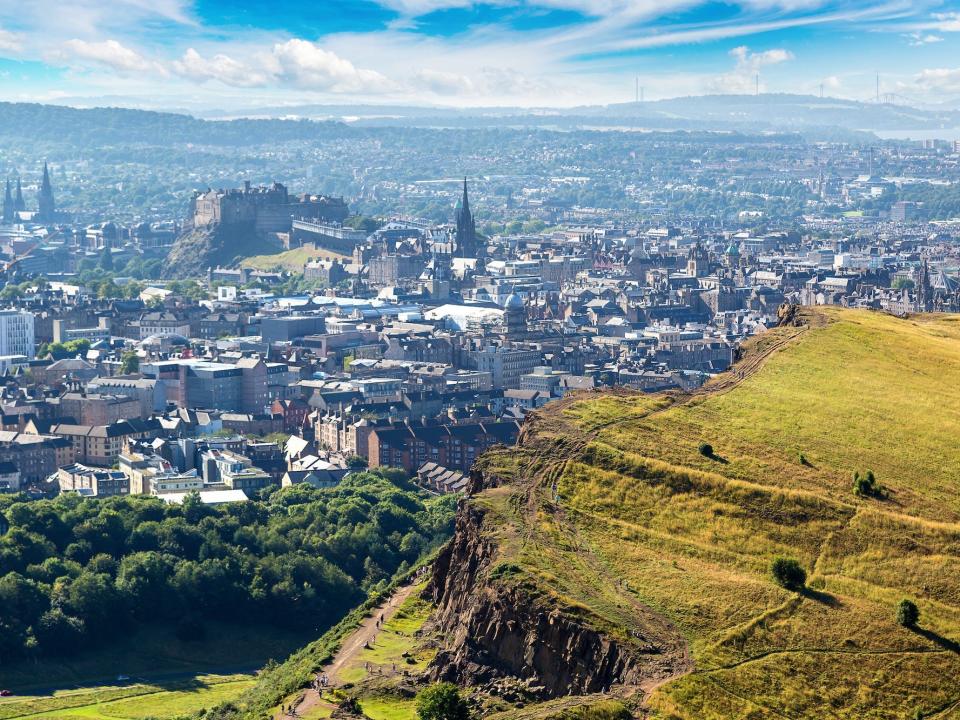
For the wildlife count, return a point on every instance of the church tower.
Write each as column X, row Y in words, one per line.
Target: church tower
column 8, row 205
column 924, row 290
column 18, row 204
column 46, row 209
column 466, row 226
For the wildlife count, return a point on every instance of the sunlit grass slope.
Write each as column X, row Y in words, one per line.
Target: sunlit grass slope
column 613, row 505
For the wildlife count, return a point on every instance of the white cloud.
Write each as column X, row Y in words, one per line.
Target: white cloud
column 443, row 83
column 304, row 64
column 939, row 79
column 946, row 22
column 223, row 68
column 292, row 63
column 832, row 82
column 109, row 53
column 743, row 78
column 917, row 39
column 10, row 42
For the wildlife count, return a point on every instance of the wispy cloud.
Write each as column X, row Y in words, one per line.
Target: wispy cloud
column 108, row 53
column 744, row 76
column 171, row 47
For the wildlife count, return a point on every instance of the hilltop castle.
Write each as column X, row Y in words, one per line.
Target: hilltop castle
column 271, row 209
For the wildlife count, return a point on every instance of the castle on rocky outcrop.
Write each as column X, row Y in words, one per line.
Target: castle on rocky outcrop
column 271, row 209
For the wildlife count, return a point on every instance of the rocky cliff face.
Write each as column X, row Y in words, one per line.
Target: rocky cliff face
column 198, row 249
column 492, row 629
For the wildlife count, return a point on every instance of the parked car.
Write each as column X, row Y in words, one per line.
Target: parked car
column 5, row 693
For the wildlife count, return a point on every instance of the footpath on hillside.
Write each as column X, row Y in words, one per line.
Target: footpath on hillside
column 352, row 646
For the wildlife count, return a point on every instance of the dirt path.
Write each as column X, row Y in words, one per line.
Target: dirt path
column 352, row 645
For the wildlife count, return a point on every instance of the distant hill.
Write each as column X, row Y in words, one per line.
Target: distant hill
column 613, row 549
column 741, row 112
column 117, row 126
column 254, row 126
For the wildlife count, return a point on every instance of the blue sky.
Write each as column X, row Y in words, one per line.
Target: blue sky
column 244, row 53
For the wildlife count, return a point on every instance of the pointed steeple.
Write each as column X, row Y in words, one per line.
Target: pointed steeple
column 19, row 205
column 466, row 226
column 46, row 208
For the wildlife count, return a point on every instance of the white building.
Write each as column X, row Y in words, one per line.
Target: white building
column 16, row 333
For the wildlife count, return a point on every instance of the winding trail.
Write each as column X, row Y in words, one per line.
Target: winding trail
column 351, row 646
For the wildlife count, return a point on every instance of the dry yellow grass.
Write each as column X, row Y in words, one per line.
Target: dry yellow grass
column 692, row 537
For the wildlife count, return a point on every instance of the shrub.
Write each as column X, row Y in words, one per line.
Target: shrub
column 802, row 459
column 866, row 485
column 788, row 573
column 907, row 613
column 441, row 702
column 706, row 449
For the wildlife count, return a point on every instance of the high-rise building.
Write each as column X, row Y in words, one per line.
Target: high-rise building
column 16, row 333
column 46, row 208
column 466, row 226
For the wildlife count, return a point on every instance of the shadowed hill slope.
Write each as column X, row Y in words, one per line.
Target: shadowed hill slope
column 611, row 523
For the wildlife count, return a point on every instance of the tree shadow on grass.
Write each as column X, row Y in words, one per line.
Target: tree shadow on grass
column 821, row 597
column 938, row 639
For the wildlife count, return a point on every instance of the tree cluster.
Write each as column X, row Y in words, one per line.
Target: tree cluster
column 78, row 572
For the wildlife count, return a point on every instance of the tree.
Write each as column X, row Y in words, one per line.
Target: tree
column 356, row 462
column 908, row 614
column 788, row 573
column 106, row 260
column 129, row 363
column 706, row 449
column 442, row 702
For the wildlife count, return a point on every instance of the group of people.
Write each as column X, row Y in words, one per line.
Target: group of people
column 321, row 682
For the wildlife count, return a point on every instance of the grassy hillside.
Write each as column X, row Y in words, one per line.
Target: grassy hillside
column 615, row 514
column 291, row 260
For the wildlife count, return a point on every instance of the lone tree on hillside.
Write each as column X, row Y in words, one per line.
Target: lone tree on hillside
column 788, row 573
column 442, row 702
column 706, row 449
column 908, row 614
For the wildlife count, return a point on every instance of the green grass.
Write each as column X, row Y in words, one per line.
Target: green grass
column 644, row 517
column 396, row 637
column 291, row 260
column 132, row 702
column 228, row 648
column 388, row 708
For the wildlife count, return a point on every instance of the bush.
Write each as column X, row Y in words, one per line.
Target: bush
column 908, row 614
column 706, row 449
column 866, row 485
column 788, row 573
column 441, row 702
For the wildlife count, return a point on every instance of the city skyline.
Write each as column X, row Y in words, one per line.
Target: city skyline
column 210, row 53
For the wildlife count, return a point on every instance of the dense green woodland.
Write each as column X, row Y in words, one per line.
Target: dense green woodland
column 78, row 572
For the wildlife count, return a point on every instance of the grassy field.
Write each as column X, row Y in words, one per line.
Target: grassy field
column 623, row 515
column 291, row 260
column 129, row 701
column 226, row 649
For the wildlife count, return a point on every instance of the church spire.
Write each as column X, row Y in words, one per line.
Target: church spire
column 46, row 208
column 19, row 205
column 466, row 226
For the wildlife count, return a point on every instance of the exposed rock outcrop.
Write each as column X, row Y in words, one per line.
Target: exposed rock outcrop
column 198, row 249
column 494, row 629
